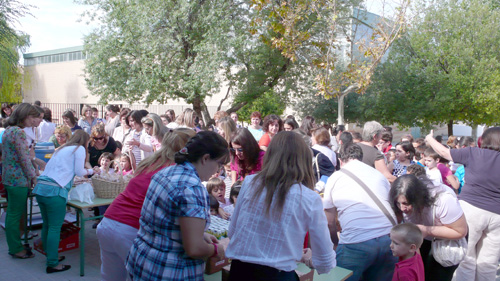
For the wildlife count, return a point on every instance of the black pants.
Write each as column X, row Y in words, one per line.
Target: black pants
column 243, row 271
column 433, row 270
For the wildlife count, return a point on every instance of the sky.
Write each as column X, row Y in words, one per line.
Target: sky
column 55, row 24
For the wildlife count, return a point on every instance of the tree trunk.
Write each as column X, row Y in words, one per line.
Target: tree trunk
column 450, row 128
column 474, row 132
column 340, row 119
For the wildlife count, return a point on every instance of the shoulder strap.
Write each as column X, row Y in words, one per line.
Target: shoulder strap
column 317, row 166
column 374, row 198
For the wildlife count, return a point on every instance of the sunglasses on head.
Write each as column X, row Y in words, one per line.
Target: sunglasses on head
column 236, row 149
column 101, row 138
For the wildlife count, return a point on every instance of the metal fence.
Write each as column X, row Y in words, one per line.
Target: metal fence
column 59, row 108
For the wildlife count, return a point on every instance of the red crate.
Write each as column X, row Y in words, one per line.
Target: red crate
column 69, row 239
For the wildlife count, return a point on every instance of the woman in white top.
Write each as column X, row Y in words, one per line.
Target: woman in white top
column 275, row 210
column 138, row 142
column 52, row 193
column 320, row 141
column 412, row 200
column 122, row 131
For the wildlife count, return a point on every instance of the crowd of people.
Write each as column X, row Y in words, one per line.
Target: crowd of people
column 310, row 193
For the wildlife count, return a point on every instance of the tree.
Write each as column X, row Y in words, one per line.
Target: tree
column 157, row 50
column 445, row 69
column 11, row 42
column 323, row 33
column 153, row 51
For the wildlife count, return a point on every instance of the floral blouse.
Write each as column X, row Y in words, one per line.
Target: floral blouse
column 17, row 167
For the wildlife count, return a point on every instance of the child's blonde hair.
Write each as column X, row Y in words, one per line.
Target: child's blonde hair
column 410, row 233
column 213, row 183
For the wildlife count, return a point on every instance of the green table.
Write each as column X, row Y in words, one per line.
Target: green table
column 336, row 274
column 80, row 221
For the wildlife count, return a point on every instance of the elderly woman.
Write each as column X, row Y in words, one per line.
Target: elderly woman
column 480, row 200
column 69, row 120
column 100, row 142
column 61, row 135
column 435, row 211
column 87, row 121
column 120, row 225
column 272, row 125
column 18, row 175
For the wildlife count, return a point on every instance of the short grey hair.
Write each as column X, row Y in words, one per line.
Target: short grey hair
column 370, row 129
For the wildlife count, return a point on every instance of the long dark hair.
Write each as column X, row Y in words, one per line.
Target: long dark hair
column 416, row 192
column 288, row 161
column 204, row 142
column 251, row 150
column 68, row 114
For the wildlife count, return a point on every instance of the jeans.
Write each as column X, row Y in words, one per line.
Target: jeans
column 372, row 259
column 53, row 211
column 244, row 271
column 16, row 209
column 115, row 239
column 483, row 251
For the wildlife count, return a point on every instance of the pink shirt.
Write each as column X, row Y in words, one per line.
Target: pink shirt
column 241, row 174
column 126, row 208
column 445, row 172
column 411, row 269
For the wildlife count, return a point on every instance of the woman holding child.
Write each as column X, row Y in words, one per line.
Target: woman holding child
column 279, row 202
column 100, row 142
column 436, row 212
column 480, row 200
column 171, row 243
column 120, row 224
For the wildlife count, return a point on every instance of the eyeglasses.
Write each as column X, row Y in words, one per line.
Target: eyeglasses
column 101, row 138
column 236, row 149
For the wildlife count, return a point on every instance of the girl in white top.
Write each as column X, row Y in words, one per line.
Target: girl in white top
column 275, row 210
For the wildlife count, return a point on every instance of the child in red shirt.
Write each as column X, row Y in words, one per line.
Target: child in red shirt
column 406, row 239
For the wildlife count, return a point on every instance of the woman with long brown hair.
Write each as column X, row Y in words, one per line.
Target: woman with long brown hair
column 52, row 193
column 246, row 155
column 279, row 202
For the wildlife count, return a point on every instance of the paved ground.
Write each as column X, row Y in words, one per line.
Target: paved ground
column 34, row 269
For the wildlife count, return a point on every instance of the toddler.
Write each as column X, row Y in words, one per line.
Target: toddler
column 217, row 188
column 106, row 161
column 406, row 239
column 233, row 195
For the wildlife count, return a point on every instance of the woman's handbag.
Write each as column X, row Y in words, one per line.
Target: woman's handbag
column 448, row 252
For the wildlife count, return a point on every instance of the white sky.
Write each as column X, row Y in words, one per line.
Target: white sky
column 55, row 23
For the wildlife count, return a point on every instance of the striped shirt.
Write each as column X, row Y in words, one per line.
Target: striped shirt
column 157, row 252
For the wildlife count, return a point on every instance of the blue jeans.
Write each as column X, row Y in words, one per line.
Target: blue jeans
column 372, row 259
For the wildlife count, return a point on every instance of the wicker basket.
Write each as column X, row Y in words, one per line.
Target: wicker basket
column 109, row 189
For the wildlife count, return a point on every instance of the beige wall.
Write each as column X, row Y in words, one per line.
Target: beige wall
column 63, row 82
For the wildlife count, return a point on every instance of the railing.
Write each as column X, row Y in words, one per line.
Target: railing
column 59, row 108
